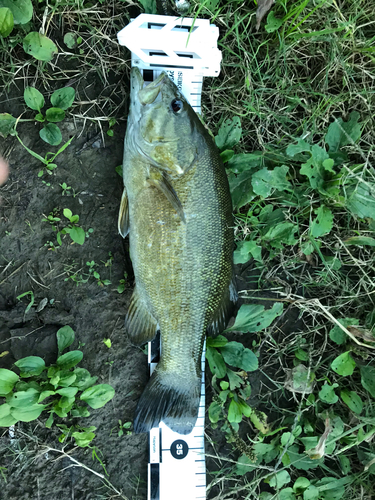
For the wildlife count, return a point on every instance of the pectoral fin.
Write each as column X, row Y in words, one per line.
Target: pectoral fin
column 162, row 183
column 140, row 325
column 224, row 311
column 123, row 216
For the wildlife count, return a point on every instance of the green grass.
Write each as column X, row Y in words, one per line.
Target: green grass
column 283, row 85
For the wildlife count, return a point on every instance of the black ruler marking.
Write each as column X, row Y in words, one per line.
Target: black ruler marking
column 154, row 482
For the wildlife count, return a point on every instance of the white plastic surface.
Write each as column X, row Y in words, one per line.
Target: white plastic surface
column 172, row 42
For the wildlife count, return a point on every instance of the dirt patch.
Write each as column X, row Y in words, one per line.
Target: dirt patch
column 29, row 263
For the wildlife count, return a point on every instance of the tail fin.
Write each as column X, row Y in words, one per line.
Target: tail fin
column 169, row 398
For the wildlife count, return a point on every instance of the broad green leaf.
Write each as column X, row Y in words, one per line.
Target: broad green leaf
column 98, row 395
column 235, row 354
column 361, row 200
column 214, row 412
column 28, row 413
column 279, row 479
column 234, row 412
column 33, row 98
column 67, row 213
column 45, row 394
column 245, row 249
column 342, row 133
column 328, row 395
column 245, row 465
column 352, row 400
column 301, row 461
column 337, row 334
column 50, row 420
column 266, row 181
column 234, row 379
column 22, row 10
column 23, row 399
column 254, row 318
column 345, row 464
column 286, row 494
column 69, row 359
column 344, row 364
column 68, row 392
column 70, row 40
column 66, row 403
column 216, row 362
column 282, row 233
column 328, row 165
column 39, row 46
column 287, row 438
column 51, row 134
column 30, row 366
column 55, row 115
column 81, row 411
column 368, row 379
column 218, row 341
column 301, row 355
column 331, row 488
column 77, row 234
column 266, row 452
column 360, row 240
column 245, row 162
column 83, row 379
column 63, row 98
column 83, row 439
column 241, row 189
column 65, row 337
column 6, row 419
column 311, row 493
column 225, row 155
column 6, row 21
column 273, row 23
column 323, row 222
column 7, row 122
column 314, row 168
column 229, row 133
column 301, row 147
column 8, row 379
column 300, row 484
column 66, row 378
column 149, row 6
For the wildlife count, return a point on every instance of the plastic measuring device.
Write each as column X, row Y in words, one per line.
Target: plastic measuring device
column 187, row 50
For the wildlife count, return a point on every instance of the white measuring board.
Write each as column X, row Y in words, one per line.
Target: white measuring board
column 176, row 468
column 186, row 49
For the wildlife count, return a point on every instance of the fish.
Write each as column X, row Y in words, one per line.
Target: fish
column 176, row 207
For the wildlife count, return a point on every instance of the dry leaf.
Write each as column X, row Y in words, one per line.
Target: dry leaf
column 361, row 333
column 318, row 451
column 263, row 7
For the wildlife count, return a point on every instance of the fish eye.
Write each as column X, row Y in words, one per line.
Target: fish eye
column 176, row 105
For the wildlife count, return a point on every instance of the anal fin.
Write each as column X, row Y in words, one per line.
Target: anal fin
column 224, row 311
column 161, row 182
column 123, row 216
column 140, row 325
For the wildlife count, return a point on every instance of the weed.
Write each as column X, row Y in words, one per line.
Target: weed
column 59, row 385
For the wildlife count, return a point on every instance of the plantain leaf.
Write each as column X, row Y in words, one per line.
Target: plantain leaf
column 6, row 21
column 39, row 46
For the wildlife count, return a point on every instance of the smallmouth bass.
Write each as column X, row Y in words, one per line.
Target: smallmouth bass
column 177, row 209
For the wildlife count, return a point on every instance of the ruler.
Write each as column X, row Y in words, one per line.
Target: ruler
column 186, row 49
column 176, row 468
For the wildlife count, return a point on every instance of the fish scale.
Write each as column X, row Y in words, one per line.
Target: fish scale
column 181, row 243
